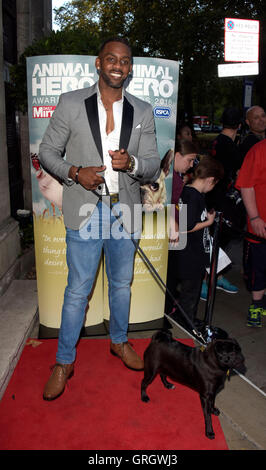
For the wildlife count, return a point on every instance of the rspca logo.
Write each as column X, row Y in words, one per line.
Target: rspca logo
column 161, row 112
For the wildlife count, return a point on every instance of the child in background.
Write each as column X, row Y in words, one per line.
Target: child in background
column 185, row 155
column 191, row 262
column 184, row 132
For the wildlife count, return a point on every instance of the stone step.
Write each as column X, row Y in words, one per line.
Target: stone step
column 18, row 317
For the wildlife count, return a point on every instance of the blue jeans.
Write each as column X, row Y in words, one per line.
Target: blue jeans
column 84, row 248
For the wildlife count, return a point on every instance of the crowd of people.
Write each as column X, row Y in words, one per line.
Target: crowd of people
column 236, row 189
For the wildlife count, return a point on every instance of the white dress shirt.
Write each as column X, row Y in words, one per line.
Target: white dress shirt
column 111, row 142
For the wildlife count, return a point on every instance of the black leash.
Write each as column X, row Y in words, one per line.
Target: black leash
column 158, row 277
column 150, row 266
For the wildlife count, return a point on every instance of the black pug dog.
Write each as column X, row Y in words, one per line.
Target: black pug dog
column 203, row 370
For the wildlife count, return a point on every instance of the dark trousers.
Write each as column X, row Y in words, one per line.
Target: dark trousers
column 187, row 295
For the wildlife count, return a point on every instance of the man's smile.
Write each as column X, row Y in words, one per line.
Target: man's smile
column 116, row 74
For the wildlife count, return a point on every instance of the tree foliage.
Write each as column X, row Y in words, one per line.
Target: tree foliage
column 74, row 41
column 191, row 31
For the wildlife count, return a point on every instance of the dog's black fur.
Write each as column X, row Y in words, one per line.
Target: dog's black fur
column 202, row 370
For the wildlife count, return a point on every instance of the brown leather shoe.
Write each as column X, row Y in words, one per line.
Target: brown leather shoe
column 128, row 355
column 57, row 381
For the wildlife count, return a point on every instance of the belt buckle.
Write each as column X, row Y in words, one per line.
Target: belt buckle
column 114, row 198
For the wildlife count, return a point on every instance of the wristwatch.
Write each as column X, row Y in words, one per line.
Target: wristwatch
column 132, row 163
column 77, row 175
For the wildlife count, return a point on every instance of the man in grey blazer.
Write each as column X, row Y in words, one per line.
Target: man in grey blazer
column 109, row 139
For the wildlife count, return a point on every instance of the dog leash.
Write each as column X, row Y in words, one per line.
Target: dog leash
column 195, row 331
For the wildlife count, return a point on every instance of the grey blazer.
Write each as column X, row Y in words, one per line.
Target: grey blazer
column 74, row 129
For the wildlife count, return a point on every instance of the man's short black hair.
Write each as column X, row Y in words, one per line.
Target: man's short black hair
column 116, row 39
column 231, row 118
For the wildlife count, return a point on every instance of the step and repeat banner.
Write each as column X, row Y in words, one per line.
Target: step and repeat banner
column 153, row 80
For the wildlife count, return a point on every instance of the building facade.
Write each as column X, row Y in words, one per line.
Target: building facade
column 21, row 22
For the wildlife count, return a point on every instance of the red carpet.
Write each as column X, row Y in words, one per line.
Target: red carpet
column 101, row 407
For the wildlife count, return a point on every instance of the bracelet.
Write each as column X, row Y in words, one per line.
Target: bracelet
column 77, row 175
column 254, row 218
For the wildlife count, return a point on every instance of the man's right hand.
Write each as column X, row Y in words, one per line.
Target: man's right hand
column 259, row 227
column 88, row 176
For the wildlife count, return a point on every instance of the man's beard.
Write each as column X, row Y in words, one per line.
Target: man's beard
column 110, row 83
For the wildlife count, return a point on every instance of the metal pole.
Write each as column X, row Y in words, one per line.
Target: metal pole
column 210, row 332
column 213, row 271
